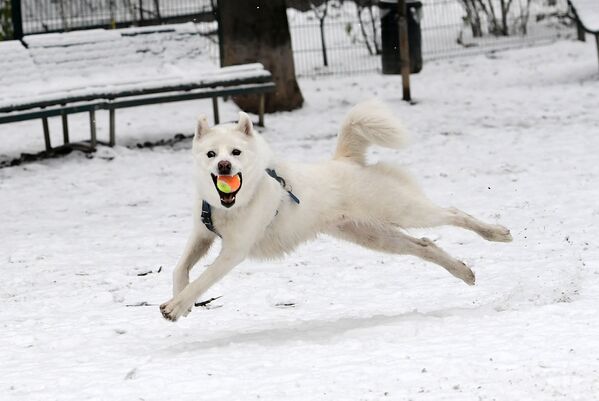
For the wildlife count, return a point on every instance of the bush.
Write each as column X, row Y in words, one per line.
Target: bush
column 5, row 20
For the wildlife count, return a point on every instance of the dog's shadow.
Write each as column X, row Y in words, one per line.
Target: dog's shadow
column 319, row 331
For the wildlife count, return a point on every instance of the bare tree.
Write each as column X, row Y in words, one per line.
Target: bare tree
column 505, row 8
column 521, row 22
column 321, row 12
column 369, row 5
column 495, row 12
column 157, row 9
column 472, row 17
column 131, row 8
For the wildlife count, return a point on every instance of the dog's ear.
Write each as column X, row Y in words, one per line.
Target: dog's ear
column 245, row 124
column 201, row 127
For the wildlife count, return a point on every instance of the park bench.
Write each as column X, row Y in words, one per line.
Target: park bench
column 586, row 13
column 55, row 75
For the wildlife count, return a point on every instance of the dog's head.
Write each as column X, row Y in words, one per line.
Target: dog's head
column 229, row 161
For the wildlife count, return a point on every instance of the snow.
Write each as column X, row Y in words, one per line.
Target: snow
column 588, row 13
column 509, row 137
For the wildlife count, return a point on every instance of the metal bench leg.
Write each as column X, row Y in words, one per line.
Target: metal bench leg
column 112, row 138
column 92, row 126
column 46, row 133
column 215, row 110
column 580, row 31
column 65, row 129
column 261, row 110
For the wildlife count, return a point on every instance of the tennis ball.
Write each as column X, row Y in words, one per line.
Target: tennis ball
column 228, row 183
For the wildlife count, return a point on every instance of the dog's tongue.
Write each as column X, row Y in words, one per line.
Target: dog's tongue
column 228, row 198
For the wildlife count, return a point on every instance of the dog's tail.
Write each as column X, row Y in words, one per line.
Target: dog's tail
column 367, row 123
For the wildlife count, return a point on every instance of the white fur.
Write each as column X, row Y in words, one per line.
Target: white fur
column 341, row 197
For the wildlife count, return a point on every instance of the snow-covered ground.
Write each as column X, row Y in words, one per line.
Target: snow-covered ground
column 509, row 137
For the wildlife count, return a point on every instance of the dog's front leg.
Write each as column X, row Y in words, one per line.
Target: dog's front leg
column 228, row 258
column 197, row 246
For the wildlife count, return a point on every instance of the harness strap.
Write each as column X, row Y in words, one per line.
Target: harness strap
column 281, row 181
column 207, row 217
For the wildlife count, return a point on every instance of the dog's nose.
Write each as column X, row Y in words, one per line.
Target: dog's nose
column 224, row 167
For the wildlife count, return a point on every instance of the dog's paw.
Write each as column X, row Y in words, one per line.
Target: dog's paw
column 469, row 277
column 173, row 310
column 464, row 273
column 497, row 233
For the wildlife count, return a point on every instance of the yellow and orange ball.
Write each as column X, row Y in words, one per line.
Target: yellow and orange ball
column 228, row 183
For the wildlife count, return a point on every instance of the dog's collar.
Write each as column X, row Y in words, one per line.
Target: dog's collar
column 207, row 209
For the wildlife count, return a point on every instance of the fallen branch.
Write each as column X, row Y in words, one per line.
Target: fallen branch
column 149, row 272
column 204, row 303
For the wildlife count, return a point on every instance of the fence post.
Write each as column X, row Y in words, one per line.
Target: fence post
column 17, row 19
column 404, row 48
column 221, row 50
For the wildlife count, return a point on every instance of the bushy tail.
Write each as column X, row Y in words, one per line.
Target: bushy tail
column 367, row 123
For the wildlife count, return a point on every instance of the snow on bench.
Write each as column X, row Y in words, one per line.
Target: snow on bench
column 587, row 12
column 587, row 16
column 65, row 73
column 19, row 76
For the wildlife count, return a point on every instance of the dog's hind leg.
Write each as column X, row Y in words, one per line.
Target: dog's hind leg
column 390, row 240
column 423, row 213
column 490, row 232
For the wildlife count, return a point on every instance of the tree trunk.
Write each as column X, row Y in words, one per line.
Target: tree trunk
column 258, row 31
column 157, row 9
column 504, row 10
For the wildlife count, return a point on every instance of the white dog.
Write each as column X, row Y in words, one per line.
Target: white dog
column 273, row 205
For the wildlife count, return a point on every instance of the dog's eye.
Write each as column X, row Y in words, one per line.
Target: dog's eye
column 236, row 152
column 210, row 154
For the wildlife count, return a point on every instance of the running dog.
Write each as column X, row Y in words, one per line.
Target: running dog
column 263, row 207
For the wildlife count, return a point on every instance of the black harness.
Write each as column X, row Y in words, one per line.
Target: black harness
column 207, row 209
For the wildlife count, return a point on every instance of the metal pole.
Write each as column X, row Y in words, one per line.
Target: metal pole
column 215, row 110
column 111, row 132
column 65, row 129
column 404, row 48
column 92, row 125
column 261, row 110
column 221, row 49
column 46, row 134
column 17, row 19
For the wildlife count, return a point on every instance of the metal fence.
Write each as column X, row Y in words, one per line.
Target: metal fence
column 41, row 16
column 349, row 29
column 352, row 33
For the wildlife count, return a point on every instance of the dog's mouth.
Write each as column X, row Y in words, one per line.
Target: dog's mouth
column 227, row 187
